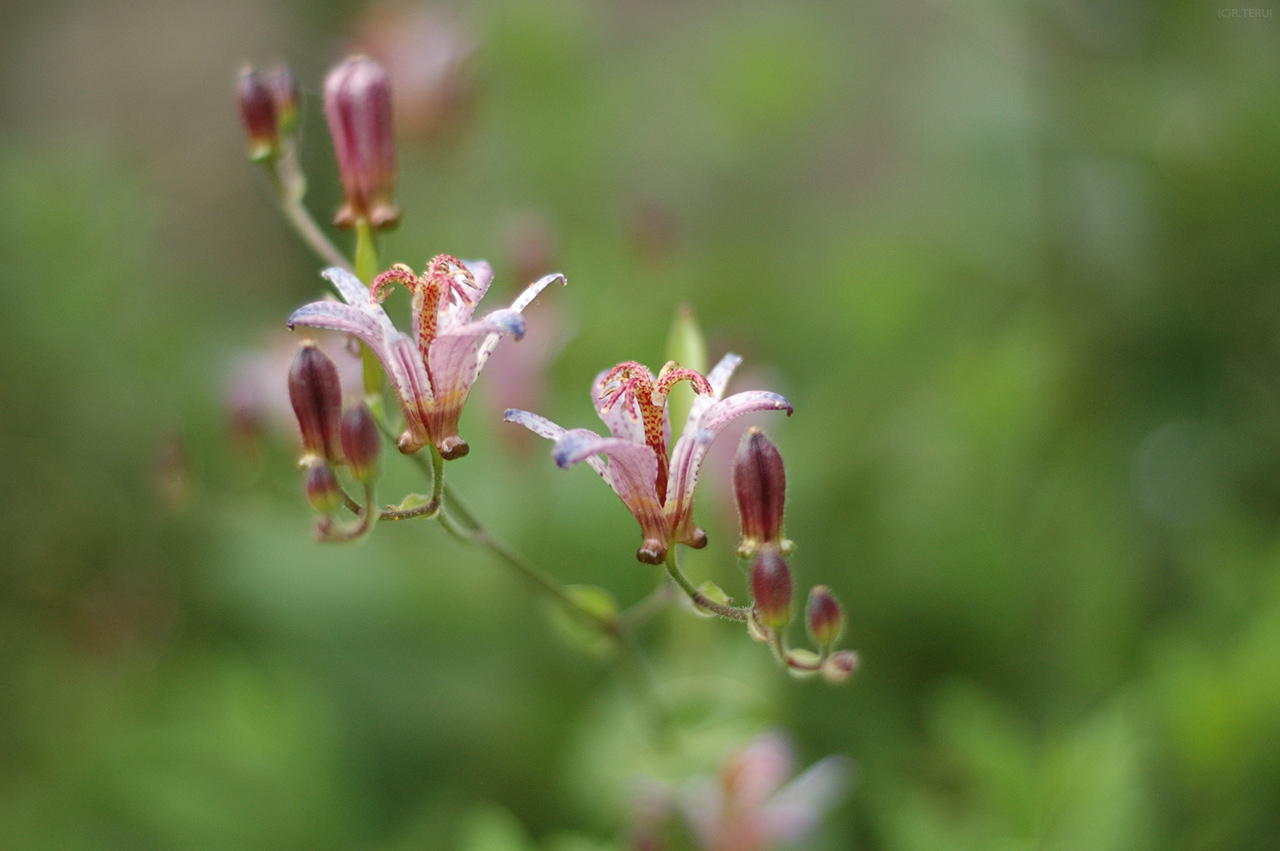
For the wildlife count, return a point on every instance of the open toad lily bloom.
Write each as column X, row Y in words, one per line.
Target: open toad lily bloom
column 656, row 487
column 432, row 370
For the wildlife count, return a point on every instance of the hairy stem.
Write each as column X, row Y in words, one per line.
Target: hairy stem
column 702, row 601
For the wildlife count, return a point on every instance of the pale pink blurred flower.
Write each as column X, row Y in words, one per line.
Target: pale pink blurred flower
column 426, row 52
column 748, row 807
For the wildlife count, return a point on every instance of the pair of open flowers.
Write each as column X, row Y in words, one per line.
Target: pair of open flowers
column 433, row 369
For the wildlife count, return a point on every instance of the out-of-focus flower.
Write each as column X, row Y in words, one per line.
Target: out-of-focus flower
column 284, row 90
column 258, row 111
column 656, row 487
column 357, row 102
column 425, row 50
column 747, row 808
column 432, row 370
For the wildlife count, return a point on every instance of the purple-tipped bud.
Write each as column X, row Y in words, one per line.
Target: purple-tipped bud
column 824, row 616
column 357, row 102
column 839, row 666
column 258, row 109
column 316, row 394
column 759, row 486
column 771, row 588
column 322, row 488
column 361, row 443
column 284, row 91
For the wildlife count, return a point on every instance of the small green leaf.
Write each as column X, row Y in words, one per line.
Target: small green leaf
column 576, row 628
column 715, row 594
column 413, row 500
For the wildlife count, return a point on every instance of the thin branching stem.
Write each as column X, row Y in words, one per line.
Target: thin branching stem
column 702, row 601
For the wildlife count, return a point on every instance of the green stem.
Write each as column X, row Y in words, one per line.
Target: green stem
column 702, row 601
column 367, row 517
column 289, row 186
column 366, row 270
column 467, row 528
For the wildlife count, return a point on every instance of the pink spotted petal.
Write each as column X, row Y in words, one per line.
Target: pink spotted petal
column 456, row 311
column 351, row 289
column 524, row 300
column 543, row 427
column 691, row 449
column 718, row 378
column 633, row 475
column 719, row 415
column 623, row 419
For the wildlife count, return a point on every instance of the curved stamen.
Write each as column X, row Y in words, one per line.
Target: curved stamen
column 447, row 270
column 383, row 284
column 673, row 373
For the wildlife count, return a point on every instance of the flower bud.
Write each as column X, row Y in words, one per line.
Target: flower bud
column 258, row 110
column 284, row 91
column 839, row 666
column 361, row 443
column 357, row 102
column 759, row 487
column 771, row 588
column 316, row 394
column 824, row 616
column 322, row 488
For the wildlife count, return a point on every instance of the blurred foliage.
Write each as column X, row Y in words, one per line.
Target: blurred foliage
column 1014, row 263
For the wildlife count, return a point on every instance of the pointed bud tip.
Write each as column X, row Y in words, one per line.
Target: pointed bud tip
column 759, row 487
column 357, row 103
column 315, row 392
column 824, row 616
column 258, row 112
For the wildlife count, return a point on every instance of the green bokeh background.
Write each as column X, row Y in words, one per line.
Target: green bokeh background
column 1014, row 262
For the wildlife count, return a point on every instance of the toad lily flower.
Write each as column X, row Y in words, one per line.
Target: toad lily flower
column 432, row 370
column 656, row 487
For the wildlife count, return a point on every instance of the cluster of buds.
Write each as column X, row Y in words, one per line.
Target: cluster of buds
column 331, row 438
column 357, row 105
column 759, row 486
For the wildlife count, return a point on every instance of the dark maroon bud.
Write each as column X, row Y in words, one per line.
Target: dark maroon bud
column 771, row 588
column 316, row 394
column 361, row 443
column 322, row 488
column 284, row 91
column 258, row 109
column 759, row 486
column 824, row 616
column 357, row 102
